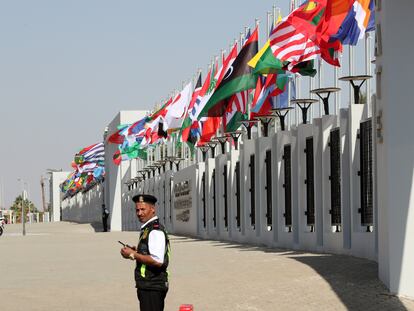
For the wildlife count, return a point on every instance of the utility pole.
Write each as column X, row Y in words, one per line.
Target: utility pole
column 42, row 185
column 23, row 216
column 23, row 212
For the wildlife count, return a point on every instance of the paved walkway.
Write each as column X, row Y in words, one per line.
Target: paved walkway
column 66, row 266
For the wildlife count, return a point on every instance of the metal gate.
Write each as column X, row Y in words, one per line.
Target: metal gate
column 237, row 173
column 268, row 187
column 252, row 192
column 310, row 190
column 365, row 173
column 203, row 199
column 225, row 196
column 213, row 180
column 335, row 177
column 287, row 185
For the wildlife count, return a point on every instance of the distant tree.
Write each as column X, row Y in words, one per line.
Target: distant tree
column 17, row 206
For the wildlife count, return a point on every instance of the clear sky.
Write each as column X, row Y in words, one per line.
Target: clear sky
column 67, row 67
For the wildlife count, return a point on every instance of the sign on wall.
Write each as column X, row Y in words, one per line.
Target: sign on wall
column 183, row 201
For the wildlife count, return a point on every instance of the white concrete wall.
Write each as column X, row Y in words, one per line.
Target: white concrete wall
column 234, row 230
column 283, row 237
column 263, row 144
column 210, row 197
column 221, row 183
column 199, row 197
column 395, row 146
column 307, row 238
column 56, row 178
column 117, row 175
column 248, row 230
column 353, row 238
column 331, row 240
column 84, row 207
column 185, row 209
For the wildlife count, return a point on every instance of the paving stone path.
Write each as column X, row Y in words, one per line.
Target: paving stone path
column 67, row 266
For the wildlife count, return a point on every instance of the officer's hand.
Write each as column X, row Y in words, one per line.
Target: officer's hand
column 125, row 251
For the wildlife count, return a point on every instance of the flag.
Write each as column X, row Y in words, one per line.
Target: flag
column 119, row 136
column 294, row 39
column 206, row 127
column 282, row 101
column 162, row 111
column 239, row 77
column 99, row 172
column 87, row 167
column 198, row 105
column 154, row 127
column 236, row 111
column 86, row 149
column 138, row 126
column 117, row 157
column 265, row 62
column 95, row 154
column 89, row 159
column 264, row 59
column 216, row 79
column 209, row 129
column 304, row 68
column 129, row 153
column 227, row 62
column 186, row 127
column 272, row 87
column 173, row 118
column 360, row 19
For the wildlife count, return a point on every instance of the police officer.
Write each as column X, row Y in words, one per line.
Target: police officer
column 105, row 216
column 151, row 256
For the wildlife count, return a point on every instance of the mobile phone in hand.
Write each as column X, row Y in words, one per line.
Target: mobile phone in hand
column 125, row 245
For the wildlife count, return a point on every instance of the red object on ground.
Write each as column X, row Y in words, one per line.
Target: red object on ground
column 186, row 308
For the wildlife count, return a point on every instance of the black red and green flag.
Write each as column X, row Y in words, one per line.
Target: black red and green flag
column 239, row 77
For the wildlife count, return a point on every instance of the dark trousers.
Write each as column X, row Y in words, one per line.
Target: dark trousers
column 151, row 300
column 105, row 223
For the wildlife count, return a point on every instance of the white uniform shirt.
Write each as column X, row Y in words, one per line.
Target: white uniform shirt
column 156, row 242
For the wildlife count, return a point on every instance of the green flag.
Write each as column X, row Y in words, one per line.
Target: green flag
column 239, row 77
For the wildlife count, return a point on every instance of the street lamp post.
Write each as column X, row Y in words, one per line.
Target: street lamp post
column 23, row 213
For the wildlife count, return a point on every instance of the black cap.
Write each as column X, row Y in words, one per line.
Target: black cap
column 146, row 198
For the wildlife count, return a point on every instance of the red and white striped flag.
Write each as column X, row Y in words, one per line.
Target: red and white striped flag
column 295, row 38
column 289, row 44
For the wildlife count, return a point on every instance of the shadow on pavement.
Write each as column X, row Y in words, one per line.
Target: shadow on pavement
column 354, row 280
column 97, row 226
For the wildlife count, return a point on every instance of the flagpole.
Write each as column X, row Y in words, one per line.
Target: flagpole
column 288, row 103
column 336, row 112
column 242, row 36
column 311, row 110
column 320, row 84
column 222, row 117
column 351, row 70
column 293, row 6
column 298, row 90
column 256, row 22
column 368, row 70
column 269, row 16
